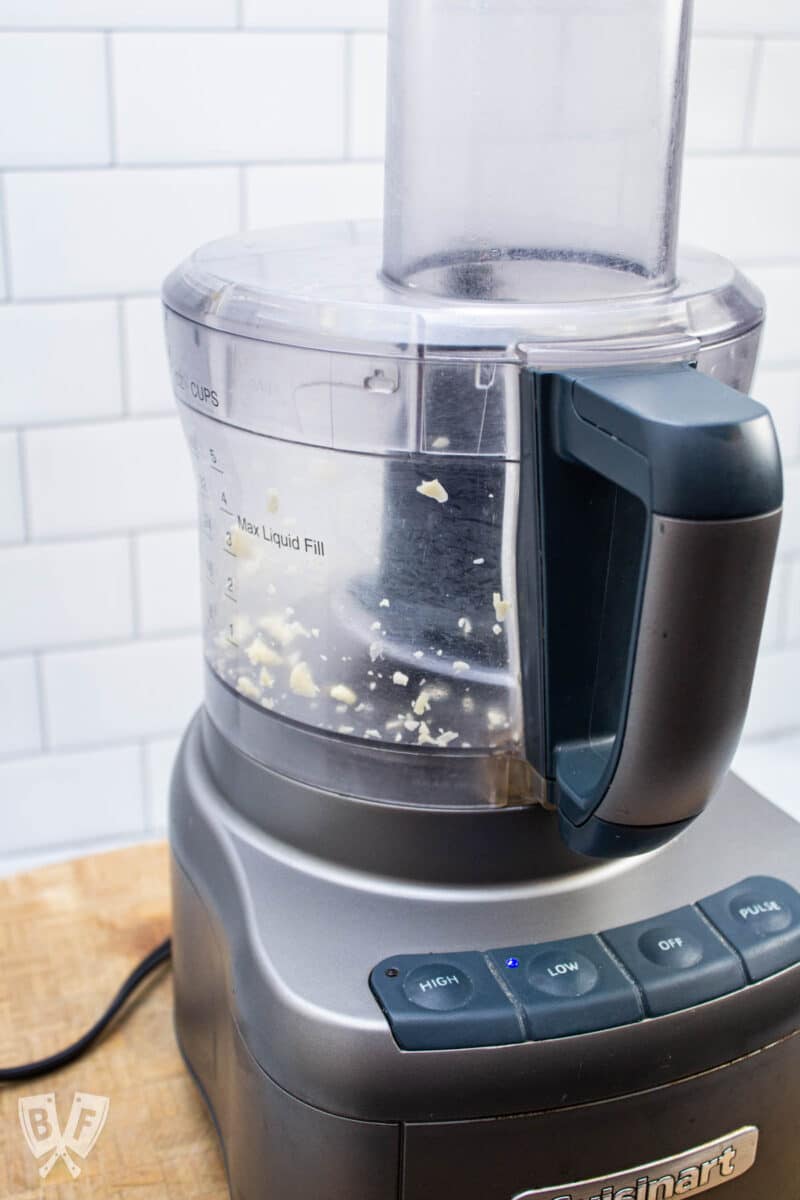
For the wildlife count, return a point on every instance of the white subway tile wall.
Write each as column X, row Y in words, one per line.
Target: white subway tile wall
column 20, row 726
column 60, row 362
column 141, row 128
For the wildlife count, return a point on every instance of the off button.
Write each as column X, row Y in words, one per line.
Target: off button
column 440, row 986
column 677, row 960
column 672, row 947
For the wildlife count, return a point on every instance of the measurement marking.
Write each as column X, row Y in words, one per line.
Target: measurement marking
column 230, row 597
column 231, row 554
column 231, row 642
column 225, row 510
column 219, row 470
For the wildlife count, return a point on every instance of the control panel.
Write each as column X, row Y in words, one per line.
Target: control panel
column 584, row 984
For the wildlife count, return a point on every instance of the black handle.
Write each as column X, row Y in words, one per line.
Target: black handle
column 674, row 526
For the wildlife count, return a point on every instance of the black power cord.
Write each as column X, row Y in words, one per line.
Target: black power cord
column 44, row 1066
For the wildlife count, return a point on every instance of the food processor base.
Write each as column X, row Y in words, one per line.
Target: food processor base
column 312, row 1096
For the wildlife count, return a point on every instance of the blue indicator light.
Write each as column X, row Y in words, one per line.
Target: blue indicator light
column 512, row 962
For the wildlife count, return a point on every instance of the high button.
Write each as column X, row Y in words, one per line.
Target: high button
column 444, row 1002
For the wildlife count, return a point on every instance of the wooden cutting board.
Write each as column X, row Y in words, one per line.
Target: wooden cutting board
column 69, row 934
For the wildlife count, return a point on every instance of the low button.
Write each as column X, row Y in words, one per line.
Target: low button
column 671, row 947
column 568, row 987
column 562, row 974
column 440, row 986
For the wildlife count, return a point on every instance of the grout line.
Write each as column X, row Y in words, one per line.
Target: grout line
column 742, row 35
column 117, row 743
column 234, row 28
column 756, row 71
column 56, row 649
column 100, row 419
column 347, row 97
column 100, row 535
column 203, row 164
column 85, row 297
column 744, row 152
column 110, row 99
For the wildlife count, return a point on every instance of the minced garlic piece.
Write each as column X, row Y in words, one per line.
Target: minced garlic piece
column 266, row 679
column 247, row 688
column 345, row 694
column 281, row 630
column 400, row 679
column 267, row 702
column 501, row 607
column 424, row 737
column 346, row 728
column 459, row 666
column 465, row 625
column 478, row 562
column 444, row 739
column 410, row 725
column 468, row 704
column 242, row 544
column 372, row 733
column 497, row 630
column 301, row 681
column 496, row 718
column 440, row 443
column 434, row 490
column 260, row 654
column 375, row 649
column 384, row 603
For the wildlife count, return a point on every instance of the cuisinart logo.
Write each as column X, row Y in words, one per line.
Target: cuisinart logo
column 687, row 1174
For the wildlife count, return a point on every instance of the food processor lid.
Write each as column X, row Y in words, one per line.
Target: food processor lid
column 321, row 286
column 531, row 201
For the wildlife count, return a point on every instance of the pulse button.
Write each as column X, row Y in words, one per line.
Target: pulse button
column 440, row 986
column 761, row 918
column 764, row 914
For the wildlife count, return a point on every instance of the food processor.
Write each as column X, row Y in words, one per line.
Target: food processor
column 487, row 522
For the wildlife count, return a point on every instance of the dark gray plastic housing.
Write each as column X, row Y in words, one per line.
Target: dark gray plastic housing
column 655, row 504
